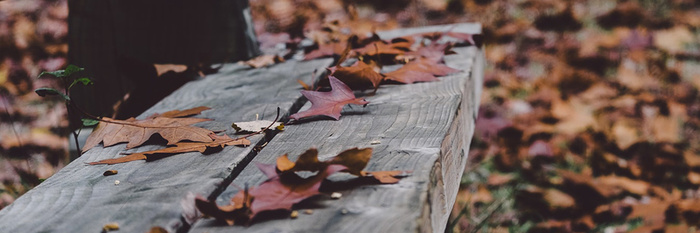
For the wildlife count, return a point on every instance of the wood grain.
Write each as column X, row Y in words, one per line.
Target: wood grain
column 80, row 199
column 425, row 128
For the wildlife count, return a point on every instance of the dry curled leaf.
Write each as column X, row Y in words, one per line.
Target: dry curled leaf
column 358, row 76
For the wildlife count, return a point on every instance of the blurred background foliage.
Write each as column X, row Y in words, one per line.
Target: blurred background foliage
column 589, row 117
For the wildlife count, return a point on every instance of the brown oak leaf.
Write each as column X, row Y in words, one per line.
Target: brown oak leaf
column 181, row 147
column 136, row 132
column 329, row 103
column 358, row 76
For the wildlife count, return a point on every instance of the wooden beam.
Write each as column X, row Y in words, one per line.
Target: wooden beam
column 79, row 198
column 425, row 128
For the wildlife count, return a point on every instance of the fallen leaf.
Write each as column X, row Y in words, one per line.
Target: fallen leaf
column 110, row 172
column 181, row 113
column 355, row 160
column 157, row 230
column 254, row 126
column 540, row 148
column 633, row 186
column 329, row 103
column 462, row 36
column 264, row 60
column 228, row 213
column 496, row 179
column 136, row 132
column 181, row 147
column 427, row 66
column 357, row 76
column 165, row 68
column 325, row 50
column 433, row 52
column 274, row 194
column 110, row 227
column 674, row 40
column 385, row 177
column 558, row 199
column 653, row 213
column 406, row 75
column 383, row 48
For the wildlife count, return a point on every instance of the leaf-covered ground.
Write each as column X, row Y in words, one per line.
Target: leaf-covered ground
column 589, row 118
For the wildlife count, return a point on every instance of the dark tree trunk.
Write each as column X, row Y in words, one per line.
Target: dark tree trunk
column 104, row 33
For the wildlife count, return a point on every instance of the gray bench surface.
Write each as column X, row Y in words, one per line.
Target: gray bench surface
column 425, row 128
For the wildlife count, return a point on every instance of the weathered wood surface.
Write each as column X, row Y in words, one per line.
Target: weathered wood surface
column 423, row 127
column 80, row 199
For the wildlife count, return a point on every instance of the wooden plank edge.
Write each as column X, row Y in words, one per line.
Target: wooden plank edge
column 448, row 169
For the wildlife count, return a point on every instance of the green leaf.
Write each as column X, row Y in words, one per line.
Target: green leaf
column 89, row 122
column 44, row 91
column 71, row 69
column 58, row 73
column 84, row 81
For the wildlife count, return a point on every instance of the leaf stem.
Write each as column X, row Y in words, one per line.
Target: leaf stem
column 262, row 130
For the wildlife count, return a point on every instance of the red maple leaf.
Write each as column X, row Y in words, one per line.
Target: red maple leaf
column 329, row 103
column 274, row 194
